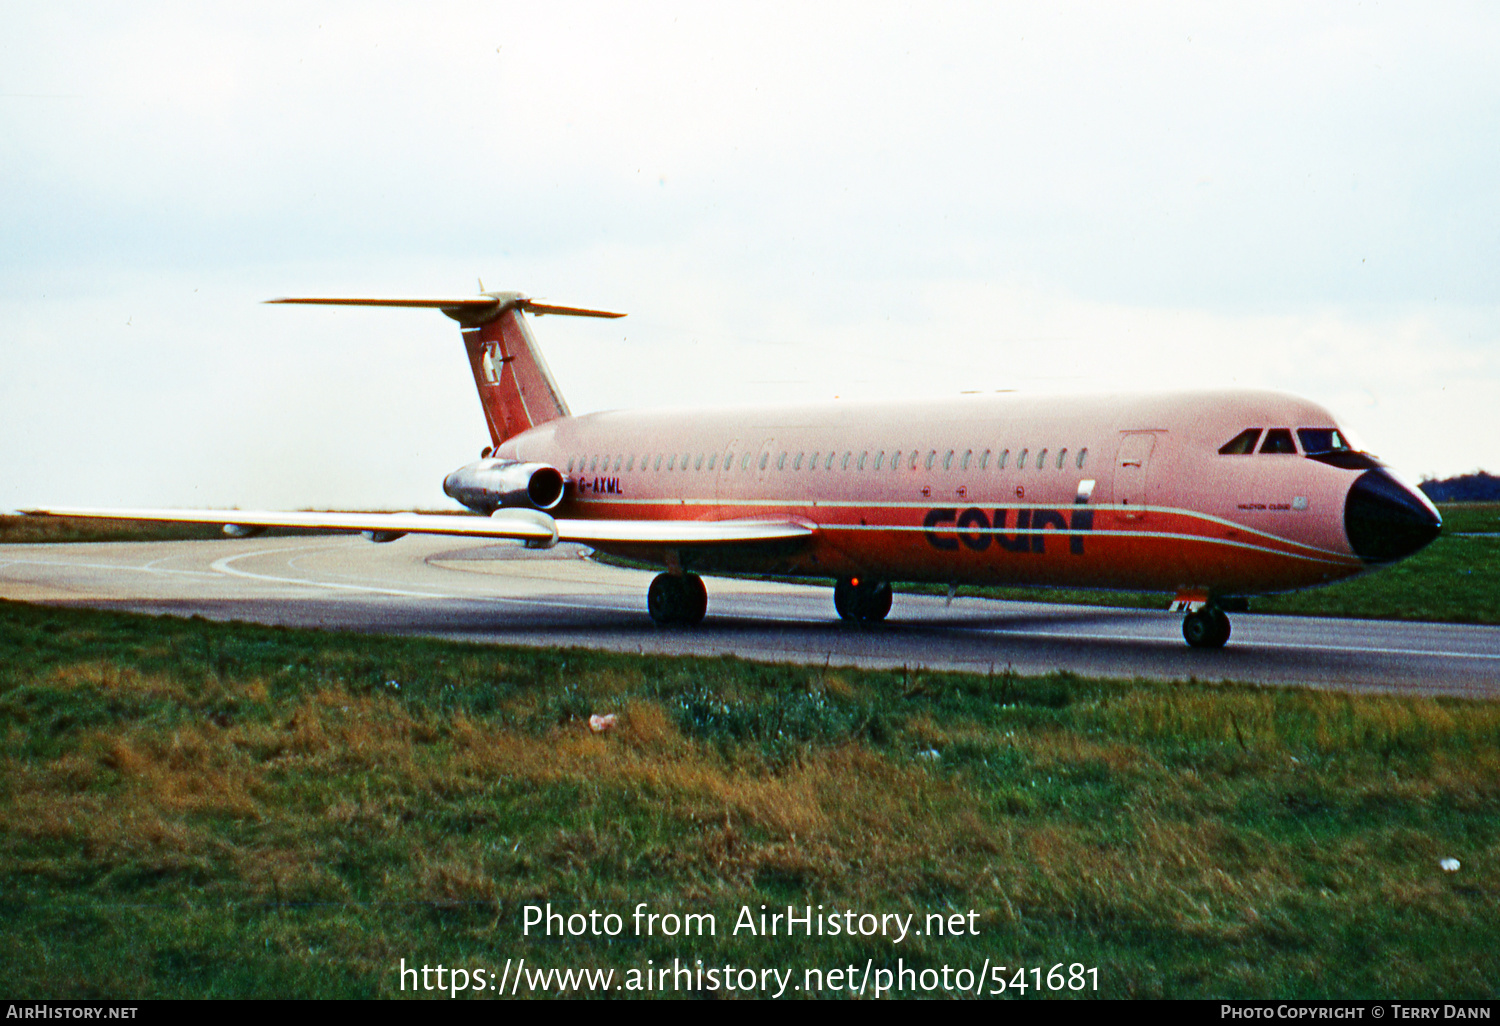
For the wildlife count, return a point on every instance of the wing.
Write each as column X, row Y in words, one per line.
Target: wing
column 533, row 527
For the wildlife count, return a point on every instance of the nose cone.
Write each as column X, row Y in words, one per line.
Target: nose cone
column 1386, row 520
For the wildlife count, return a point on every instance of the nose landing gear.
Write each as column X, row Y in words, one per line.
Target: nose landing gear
column 677, row 599
column 862, row 600
column 1207, row 627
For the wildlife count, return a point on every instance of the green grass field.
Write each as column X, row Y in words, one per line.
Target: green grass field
column 194, row 809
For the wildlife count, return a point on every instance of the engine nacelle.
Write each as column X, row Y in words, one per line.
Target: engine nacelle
column 505, row 484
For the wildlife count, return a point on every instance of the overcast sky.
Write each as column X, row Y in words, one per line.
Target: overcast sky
column 791, row 202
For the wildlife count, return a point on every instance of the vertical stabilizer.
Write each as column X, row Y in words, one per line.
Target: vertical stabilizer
column 516, row 389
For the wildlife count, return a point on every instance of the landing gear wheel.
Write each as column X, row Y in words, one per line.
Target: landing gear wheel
column 677, row 598
column 861, row 599
column 843, row 598
column 1207, row 628
column 694, row 600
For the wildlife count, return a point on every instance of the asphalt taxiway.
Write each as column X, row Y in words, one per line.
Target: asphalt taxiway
column 485, row 592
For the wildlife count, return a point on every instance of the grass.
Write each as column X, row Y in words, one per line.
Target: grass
column 26, row 530
column 194, row 809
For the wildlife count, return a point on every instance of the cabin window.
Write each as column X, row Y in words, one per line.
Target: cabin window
column 864, row 458
column 672, row 461
column 797, row 463
column 1041, row 460
column 812, row 462
column 879, row 459
column 698, row 462
column 593, row 466
column 1004, row 459
column 685, row 457
column 1021, row 460
column 931, row 458
column 630, row 463
column 1062, row 457
column 1321, row 440
column 745, row 461
column 948, row 460
column 570, row 465
column 618, row 460
column 658, row 462
column 984, row 460
column 967, row 457
column 728, row 461
column 1083, row 454
column 1279, row 442
column 1241, row 444
column 844, row 465
column 763, row 458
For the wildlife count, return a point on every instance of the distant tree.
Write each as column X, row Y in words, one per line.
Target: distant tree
column 1476, row 487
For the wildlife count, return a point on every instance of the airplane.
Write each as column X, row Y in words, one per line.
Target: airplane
column 1208, row 496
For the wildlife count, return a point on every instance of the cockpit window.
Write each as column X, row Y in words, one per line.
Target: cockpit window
column 1278, row 440
column 1319, row 440
column 1240, row 444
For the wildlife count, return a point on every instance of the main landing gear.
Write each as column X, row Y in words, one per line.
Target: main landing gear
column 677, row 598
column 1207, row 627
column 861, row 599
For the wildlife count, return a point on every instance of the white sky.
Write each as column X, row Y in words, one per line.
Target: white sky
column 792, row 202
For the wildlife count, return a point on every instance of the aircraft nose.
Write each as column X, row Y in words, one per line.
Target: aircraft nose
column 1386, row 520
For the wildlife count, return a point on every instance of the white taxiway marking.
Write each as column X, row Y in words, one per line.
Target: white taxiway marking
column 148, row 569
column 1300, row 645
column 223, row 567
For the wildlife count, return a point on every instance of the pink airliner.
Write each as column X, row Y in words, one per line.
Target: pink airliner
column 1209, row 497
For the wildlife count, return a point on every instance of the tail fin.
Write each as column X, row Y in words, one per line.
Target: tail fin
column 516, row 389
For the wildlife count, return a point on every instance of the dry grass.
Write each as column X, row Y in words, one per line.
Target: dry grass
column 272, row 812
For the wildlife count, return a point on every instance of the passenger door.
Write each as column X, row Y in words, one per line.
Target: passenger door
column 1132, row 475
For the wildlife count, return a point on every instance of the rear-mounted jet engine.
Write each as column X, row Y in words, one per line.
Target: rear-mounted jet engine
column 493, row 484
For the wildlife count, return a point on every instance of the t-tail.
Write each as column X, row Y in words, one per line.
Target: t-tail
column 516, row 390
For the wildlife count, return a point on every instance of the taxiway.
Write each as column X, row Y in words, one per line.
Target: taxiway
column 500, row 593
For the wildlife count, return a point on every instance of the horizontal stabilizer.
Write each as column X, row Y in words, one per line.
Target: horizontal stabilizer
column 467, row 309
column 435, row 302
column 541, row 309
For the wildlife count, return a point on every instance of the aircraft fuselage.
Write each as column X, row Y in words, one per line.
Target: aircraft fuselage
column 1110, row 491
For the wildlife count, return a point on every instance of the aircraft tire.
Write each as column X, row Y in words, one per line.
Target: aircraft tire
column 677, row 599
column 1207, row 628
column 694, row 600
column 869, row 601
column 843, row 598
column 664, row 599
column 872, row 603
